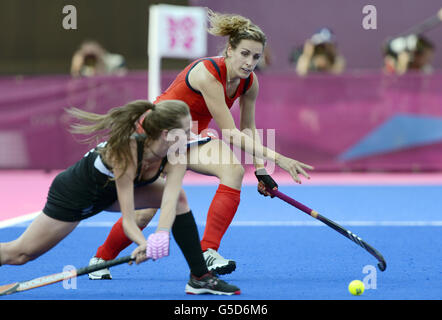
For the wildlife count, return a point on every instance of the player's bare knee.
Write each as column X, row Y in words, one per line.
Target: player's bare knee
column 21, row 258
column 232, row 175
column 144, row 216
column 182, row 204
column 236, row 171
column 14, row 254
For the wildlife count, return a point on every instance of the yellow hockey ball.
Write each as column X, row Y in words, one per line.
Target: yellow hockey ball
column 356, row 287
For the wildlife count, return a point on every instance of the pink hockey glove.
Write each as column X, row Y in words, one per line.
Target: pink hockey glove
column 158, row 245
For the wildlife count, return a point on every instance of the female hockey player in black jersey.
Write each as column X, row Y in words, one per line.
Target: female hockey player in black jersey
column 124, row 174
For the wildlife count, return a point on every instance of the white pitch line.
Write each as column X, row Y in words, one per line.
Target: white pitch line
column 18, row 220
column 24, row 221
column 108, row 224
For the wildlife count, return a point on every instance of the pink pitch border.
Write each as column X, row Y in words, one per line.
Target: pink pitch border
column 24, row 192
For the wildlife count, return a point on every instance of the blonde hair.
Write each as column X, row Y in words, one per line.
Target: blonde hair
column 236, row 27
column 118, row 125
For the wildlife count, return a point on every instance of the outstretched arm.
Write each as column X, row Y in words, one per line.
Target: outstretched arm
column 213, row 93
column 248, row 126
column 247, row 104
column 125, row 191
column 174, row 181
column 158, row 242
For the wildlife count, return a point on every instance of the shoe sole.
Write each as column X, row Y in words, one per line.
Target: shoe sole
column 223, row 269
column 103, row 277
column 196, row 291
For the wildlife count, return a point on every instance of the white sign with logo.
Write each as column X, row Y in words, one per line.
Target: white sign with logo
column 174, row 32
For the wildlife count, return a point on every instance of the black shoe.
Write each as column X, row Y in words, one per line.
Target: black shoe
column 208, row 283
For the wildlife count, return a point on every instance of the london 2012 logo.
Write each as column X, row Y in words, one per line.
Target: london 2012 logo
column 181, row 33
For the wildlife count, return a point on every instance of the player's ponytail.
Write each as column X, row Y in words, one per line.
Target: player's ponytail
column 236, row 27
column 119, row 124
column 226, row 24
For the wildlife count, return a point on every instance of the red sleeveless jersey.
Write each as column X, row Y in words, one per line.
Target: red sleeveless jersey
column 180, row 89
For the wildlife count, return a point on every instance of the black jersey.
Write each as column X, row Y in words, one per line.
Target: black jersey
column 87, row 188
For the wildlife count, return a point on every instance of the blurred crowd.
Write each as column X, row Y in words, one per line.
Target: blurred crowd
column 410, row 53
column 92, row 59
column 318, row 54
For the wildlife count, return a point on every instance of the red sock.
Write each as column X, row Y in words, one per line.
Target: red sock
column 220, row 215
column 115, row 243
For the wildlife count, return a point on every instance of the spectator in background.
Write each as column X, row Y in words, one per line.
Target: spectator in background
column 410, row 53
column 92, row 59
column 319, row 54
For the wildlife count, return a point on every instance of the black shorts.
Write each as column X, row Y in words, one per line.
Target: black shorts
column 83, row 190
column 71, row 199
column 69, row 215
column 80, row 192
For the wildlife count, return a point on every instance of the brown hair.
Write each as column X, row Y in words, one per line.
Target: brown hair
column 236, row 27
column 118, row 125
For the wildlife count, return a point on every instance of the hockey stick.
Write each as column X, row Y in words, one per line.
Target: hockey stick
column 346, row 233
column 424, row 26
column 57, row 277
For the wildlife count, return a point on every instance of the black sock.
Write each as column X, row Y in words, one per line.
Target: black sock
column 186, row 235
